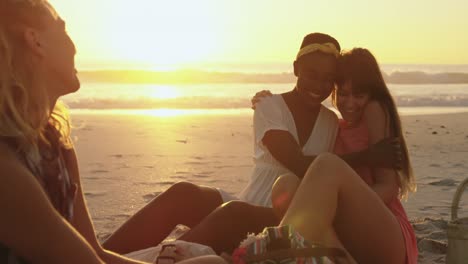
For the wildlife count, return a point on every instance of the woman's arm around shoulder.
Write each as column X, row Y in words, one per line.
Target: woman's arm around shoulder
column 29, row 225
column 378, row 123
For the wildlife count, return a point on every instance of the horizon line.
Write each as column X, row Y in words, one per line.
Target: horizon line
column 142, row 66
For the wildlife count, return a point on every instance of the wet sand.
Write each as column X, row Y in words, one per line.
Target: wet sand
column 126, row 160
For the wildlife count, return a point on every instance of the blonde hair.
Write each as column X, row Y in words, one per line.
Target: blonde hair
column 361, row 68
column 24, row 103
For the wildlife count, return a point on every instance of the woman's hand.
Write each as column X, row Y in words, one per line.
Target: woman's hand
column 259, row 96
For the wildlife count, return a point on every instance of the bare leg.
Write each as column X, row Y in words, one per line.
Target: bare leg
column 229, row 224
column 283, row 193
column 183, row 203
column 331, row 194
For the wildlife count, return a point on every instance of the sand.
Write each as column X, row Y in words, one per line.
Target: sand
column 126, row 160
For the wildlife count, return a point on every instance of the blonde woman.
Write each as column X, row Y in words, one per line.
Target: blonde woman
column 44, row 218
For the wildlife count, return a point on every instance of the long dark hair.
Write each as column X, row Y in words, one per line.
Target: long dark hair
column 361, row 68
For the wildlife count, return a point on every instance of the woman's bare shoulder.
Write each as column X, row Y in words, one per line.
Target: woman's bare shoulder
column 374, row 111
column 376, row 118
column 14, row 174
column 13, row 169
column 7, row 155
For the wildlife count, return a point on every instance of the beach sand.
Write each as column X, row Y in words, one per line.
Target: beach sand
column 126, row 160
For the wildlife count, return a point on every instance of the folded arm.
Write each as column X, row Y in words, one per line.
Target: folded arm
column 272, row 132
column 386, row 180
column 285, row 149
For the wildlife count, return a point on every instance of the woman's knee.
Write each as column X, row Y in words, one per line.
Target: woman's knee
column 326, row 160
column 286, row 183
column 185, row 191
column 195, row 193
column 184, row 188
column 328, row 167
column 236, row 208
column 283, row 192
column 243, row 215
column 326, row 163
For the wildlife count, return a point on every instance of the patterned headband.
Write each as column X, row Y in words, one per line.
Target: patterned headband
column 328, row 48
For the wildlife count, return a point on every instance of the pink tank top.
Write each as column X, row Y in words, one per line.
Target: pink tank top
column 352, row 139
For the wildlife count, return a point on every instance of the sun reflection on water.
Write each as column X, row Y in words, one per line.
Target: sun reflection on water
column 164, row 112
column 164, row 92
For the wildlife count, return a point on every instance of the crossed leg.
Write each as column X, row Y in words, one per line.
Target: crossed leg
column 220, row 227
column 183, row 203
column 335, row 207
column 229, row 224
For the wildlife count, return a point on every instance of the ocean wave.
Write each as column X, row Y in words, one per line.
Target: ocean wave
column 419, row 77
column 237, row 103
column 150, row 103
column 439, row 100
column 200, row 76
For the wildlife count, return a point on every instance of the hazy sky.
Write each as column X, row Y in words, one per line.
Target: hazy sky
column 189, row 32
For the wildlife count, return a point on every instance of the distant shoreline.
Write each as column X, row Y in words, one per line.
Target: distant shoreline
column 174, row 112
column 200, row 76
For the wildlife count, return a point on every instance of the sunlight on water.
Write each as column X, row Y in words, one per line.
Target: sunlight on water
column 164, row 92
column 230, row 96
column 168, row 112
column 234, row 99
column 164, row 112
column 412, row 111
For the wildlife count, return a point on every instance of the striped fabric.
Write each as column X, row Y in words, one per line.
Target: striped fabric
column 273, row 239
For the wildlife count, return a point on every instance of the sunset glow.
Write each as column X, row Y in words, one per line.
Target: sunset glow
column 164, row 92
column 167, row 35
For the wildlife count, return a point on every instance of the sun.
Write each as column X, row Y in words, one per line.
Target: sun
column 162, row 34
column 163, row 92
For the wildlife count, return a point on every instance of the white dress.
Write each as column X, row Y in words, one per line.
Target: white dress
column 272, row 113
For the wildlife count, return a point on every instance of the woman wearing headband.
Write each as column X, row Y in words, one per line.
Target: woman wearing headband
column 364, row 200
column 290, row 129
column 358, row 209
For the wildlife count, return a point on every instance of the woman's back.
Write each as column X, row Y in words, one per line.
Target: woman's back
column 50, row 173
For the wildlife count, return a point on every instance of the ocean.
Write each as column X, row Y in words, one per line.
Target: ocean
column 417, row 89
column 235, row 98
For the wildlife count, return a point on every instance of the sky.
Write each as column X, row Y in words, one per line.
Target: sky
column 170, row 34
